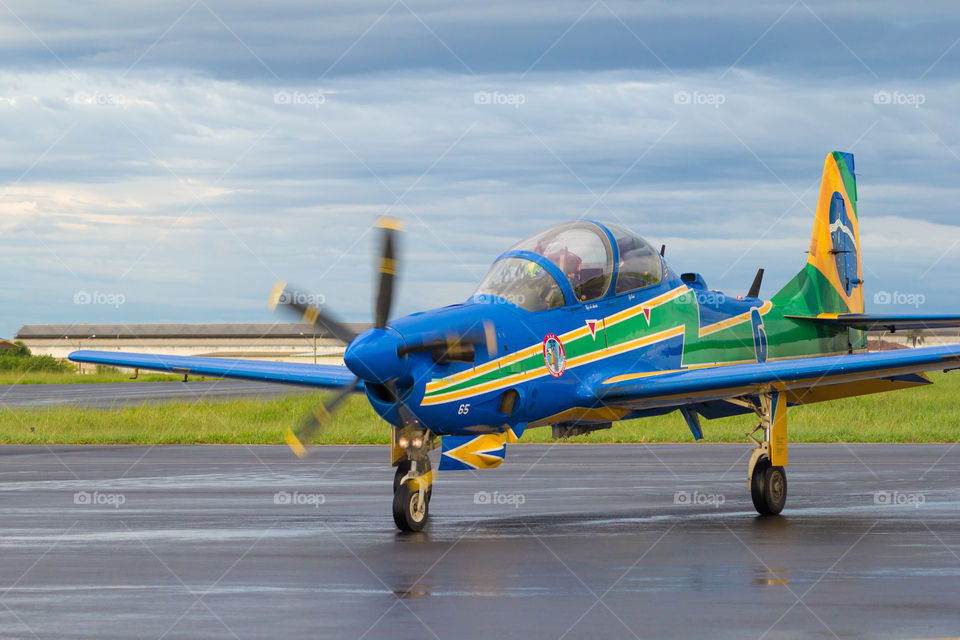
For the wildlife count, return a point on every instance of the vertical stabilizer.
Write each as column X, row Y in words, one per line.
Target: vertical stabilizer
column 831, row 281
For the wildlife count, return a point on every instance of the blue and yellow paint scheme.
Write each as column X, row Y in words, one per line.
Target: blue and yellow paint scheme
column 592, row 326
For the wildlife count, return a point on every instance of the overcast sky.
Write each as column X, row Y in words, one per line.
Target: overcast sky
column 169, row 161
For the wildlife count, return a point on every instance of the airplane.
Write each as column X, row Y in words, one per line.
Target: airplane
column 584, row 324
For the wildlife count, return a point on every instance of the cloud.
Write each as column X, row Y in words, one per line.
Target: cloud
column 287, row 40
column 196, row 179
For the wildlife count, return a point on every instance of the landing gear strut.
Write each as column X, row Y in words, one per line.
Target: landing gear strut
column 413, row 480
column 766, row 475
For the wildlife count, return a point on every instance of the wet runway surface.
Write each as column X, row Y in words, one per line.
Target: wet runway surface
column 119, row 394
column 563, row 541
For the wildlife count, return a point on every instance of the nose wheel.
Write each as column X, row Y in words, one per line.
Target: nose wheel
column 411, row 494
column 413, row 480
column 411, row 508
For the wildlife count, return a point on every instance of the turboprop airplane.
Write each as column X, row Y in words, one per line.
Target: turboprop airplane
column 584, row 324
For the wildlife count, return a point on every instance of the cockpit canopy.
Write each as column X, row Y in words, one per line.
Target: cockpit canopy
column 572, row 263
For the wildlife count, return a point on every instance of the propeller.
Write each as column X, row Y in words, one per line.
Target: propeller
column 296, row 301
column 379, row 356
column 299, row 302
column 457, row 348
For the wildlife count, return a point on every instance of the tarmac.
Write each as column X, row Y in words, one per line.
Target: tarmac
column 562, row 541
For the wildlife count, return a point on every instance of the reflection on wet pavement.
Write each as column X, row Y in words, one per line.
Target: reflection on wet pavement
column 194, row 542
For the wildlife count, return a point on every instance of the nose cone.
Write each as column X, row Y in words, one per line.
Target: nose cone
column 372, row 356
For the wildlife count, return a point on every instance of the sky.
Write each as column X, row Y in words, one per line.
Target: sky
column 169, row 161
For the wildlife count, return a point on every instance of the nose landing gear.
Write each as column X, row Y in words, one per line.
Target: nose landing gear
column 411, row 499
column 413, row 480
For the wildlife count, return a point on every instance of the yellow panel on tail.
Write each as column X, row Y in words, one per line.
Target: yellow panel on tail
column 821, row 244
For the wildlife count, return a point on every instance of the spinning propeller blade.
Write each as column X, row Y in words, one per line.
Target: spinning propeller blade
column 296, row 301
column 387, row 268
column 451, row 347
column 316, row 420
column 457, row 348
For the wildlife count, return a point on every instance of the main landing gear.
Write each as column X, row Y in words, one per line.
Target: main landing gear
column 413, row 480
column 766, row 475
column 768, row 488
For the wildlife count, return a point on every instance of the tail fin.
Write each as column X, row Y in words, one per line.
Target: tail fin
column 832, row 280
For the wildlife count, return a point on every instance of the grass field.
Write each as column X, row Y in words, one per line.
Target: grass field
column 929, row 414
column 52, row 377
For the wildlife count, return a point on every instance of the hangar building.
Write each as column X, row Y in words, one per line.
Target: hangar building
column 279, row 342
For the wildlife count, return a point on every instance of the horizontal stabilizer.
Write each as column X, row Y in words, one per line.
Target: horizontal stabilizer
column 876, row 322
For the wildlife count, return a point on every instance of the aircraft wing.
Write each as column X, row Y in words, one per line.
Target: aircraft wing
column 311, row 375
column 875, row 322
column 805, row 380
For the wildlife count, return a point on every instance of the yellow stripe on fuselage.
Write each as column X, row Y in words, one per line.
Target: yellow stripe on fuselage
column 528, row 352
column 434, row 389
column 734, row 321
column 539, row 372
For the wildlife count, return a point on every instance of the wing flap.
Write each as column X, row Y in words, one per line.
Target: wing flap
column 804, row 379
column 311, row 375
column 824, row 393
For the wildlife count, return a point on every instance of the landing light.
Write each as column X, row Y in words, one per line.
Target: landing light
column 403, row 443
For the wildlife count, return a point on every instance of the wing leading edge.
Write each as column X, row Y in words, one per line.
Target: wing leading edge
column 806, row 379
column 311, row 375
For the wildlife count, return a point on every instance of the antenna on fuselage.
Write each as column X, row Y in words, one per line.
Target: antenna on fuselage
column 755, row 287
column 663, row 249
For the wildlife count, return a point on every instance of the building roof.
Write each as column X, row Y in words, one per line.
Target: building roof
column 196, row 331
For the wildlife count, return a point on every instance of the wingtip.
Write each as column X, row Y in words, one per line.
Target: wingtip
column 294, row 443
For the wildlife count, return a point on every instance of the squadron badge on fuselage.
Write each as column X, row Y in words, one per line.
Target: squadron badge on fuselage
column 554, row 356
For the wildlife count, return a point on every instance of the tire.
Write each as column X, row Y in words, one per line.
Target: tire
column 768, row 488
column 407, row 512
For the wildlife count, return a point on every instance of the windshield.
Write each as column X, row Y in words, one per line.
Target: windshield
column 522, row 282
column 583, row 253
